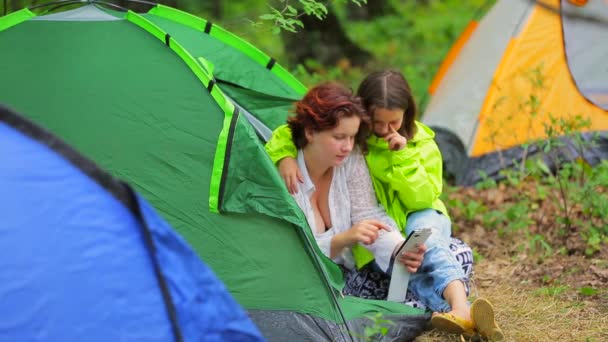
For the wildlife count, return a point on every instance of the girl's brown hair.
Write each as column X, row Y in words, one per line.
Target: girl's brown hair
column 389, row 89
column 322, row 108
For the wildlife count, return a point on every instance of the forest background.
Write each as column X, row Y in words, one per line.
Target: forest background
column 539, row 239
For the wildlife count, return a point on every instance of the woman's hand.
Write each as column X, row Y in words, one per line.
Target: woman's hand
column 290, row 172
column 395, row 140
column 366, row 231
column 412, row 260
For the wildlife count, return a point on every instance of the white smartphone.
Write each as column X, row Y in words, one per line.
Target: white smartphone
column 400, row 277
column 415, row 239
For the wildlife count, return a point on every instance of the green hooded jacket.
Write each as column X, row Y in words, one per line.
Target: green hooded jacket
column 405, row 181
column 410, row 179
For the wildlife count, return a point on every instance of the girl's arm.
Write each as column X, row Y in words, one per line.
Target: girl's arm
column 281, row 145
column 414, row 173
column 282, row 152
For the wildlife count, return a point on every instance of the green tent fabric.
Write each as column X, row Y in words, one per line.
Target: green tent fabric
column 179, row 108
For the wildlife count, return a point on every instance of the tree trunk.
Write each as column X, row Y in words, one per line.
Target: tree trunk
column 369, row 11
column 324, row 41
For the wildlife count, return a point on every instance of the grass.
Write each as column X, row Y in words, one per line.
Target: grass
column 527, row 314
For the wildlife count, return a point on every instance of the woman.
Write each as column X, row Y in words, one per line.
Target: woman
column 337, row 196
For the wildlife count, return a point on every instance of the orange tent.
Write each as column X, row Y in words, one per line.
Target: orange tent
column 509, row 75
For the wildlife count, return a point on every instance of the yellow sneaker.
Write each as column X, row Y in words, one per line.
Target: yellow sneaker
column 452, row 324
column 482, row 313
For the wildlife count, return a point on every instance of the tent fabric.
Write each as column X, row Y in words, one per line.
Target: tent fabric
column 234, row 59
column 457, row 99
column 493, row 163
column 280, row 327
column 86, row 13
column 85, row 258
column 522, row 66
column 585, row 53
column 140, row 98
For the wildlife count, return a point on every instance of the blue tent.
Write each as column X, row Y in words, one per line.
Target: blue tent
column 84, row 258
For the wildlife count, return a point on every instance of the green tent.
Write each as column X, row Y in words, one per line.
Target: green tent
column 180, row 108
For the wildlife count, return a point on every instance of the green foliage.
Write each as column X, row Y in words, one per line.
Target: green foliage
column 494, row 218
column 470, row 209
column 477, row 257
column 576, row 181
column 473, row 208
column 587, row 291
column 486, row 182
column 377, row 329
column 518, row 218
column 594, row 238
column 286, row 17
column 537, row 242
column 416, row 39
column 552, row 291
column 322, row 73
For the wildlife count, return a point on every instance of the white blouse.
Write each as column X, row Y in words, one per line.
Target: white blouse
column 351, row 200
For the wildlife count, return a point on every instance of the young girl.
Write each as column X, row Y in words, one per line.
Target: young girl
column 406, row 169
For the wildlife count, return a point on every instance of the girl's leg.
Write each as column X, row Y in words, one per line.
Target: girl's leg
column 464, row 255
column 440, row 280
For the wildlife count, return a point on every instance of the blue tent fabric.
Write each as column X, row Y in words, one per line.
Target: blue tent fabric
column 192, row 289
column 84, row 258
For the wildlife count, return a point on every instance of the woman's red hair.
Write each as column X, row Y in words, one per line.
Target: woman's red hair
column 322, row 108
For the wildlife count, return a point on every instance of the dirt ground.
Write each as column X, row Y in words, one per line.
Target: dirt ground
column 538, row 296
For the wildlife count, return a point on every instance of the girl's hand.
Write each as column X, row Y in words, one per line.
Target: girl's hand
column 365, row 232
column 290, row 172
column 412, row 260
column 395, row 140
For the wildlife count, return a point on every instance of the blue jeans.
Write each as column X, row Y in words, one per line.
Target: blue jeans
column 439, row 266
column 371, row 282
